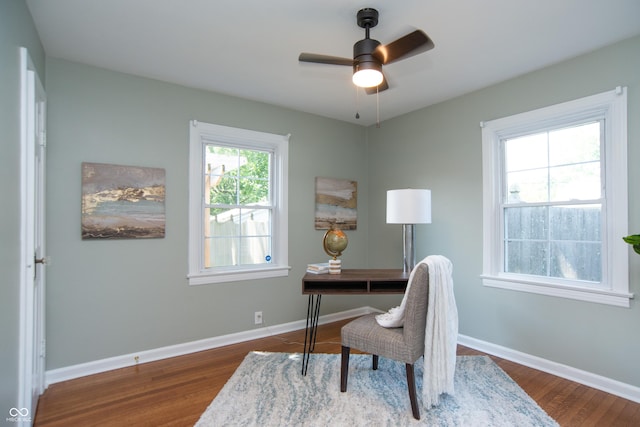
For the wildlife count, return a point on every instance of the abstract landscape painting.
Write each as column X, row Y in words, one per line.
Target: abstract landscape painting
column 122, row 202
column 336, row 203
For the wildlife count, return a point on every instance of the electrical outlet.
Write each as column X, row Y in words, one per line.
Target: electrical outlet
column 257, row 317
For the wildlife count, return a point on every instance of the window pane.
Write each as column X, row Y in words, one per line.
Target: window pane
column 233, row 251
column 237, row 236
column 575, row 182
column 255, row 243
column 213, row 174
column 254, row 191
column 221, row 179
column 526, row 223
column 526, row 152
column 527, row 186
column 526, row 257
column 578, row 223
column 222, row 157
column 256, row 222
column 221, row 251
column 224, row 222
column 254, row 178
column 256, row 164
column 576, row 260
column 224, row 191
column 574, row 144
column 255, row 250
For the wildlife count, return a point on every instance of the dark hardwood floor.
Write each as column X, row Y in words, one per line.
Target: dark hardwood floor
column 175, row 392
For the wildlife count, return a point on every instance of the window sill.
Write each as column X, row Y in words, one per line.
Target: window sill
column 206, row 278
column 517, row 283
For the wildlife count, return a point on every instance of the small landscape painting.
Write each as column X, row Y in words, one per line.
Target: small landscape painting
column 122, row 202
column 336, row 203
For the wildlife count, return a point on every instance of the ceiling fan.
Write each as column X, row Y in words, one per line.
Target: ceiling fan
column 370, row 55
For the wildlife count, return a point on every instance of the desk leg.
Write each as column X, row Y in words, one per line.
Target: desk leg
column 313, row 312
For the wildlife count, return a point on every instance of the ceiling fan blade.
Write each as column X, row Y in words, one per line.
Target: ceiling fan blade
column 324, row 59
column 406, row 46
column 376, row 89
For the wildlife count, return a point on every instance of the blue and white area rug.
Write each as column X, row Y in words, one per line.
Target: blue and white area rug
column 267, row 389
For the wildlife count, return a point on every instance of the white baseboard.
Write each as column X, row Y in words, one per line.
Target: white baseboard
column 599, row 382
column 83, row 369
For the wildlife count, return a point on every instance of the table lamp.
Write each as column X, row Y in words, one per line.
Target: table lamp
column 408, row 207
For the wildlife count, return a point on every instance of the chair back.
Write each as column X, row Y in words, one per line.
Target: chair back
column 415, row 319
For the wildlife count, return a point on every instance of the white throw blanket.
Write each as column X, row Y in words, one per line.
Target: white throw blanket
column 441, row 332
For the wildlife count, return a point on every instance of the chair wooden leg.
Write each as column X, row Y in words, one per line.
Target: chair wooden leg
column 344, row 368
column 375, row 362
column 411, row 383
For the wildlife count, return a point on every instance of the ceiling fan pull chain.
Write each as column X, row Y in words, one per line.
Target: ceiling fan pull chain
column 357, row 103
column 377, row 108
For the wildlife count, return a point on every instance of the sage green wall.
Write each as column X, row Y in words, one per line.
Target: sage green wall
column 109, row 298
column 440, row 148
column 16, row 30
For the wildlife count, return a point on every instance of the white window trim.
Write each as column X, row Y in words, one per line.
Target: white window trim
column 615, row 289
column 201, row 134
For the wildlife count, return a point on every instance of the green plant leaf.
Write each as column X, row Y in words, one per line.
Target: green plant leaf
column 633, row 239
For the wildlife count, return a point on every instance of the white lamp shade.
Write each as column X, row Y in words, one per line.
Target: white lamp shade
column 409, row 206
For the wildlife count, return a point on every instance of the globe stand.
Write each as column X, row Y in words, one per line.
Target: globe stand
column 333, row 243
column 335, row 266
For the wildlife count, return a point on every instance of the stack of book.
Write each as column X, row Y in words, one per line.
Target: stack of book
column 319, row 268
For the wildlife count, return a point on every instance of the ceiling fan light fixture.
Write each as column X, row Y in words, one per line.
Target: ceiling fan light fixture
column 367, row 74
column 369, row 55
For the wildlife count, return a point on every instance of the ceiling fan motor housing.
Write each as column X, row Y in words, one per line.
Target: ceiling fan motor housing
column 363, row 52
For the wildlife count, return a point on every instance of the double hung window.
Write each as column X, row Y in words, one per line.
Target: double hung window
column 238, row 204
column 555, row 200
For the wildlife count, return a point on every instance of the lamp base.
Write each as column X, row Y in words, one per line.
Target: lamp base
column 408, row 240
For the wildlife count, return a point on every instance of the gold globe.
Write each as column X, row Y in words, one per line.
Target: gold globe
column 334, row 242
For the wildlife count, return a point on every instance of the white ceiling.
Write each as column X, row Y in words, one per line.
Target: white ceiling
column 250, row 48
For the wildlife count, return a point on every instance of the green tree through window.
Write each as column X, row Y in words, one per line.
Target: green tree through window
column 238, row 177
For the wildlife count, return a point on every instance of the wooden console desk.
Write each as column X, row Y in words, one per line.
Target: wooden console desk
column 349, row 282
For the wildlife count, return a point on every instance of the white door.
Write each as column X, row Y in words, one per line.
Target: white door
column 32, row 283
